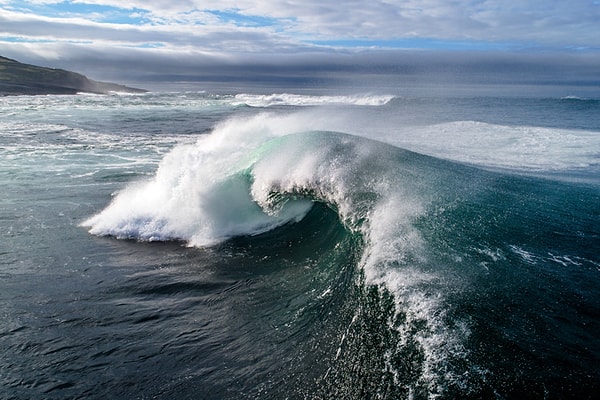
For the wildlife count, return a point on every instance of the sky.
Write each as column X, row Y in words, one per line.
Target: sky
column 158, row 39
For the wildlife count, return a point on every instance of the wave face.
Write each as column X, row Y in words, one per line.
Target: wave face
column 419, row 232
column 248, row 177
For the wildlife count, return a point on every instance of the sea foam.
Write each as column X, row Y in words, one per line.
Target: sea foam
column 200, row 193
column 287, row 99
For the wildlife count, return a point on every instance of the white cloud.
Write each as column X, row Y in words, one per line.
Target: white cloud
column 176, row 35
column 547, row 23
column 159, row 33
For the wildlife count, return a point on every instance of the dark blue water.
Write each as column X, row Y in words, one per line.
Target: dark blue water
column 200, row 246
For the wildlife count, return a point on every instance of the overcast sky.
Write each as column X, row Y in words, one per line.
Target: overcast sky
column 160, row 39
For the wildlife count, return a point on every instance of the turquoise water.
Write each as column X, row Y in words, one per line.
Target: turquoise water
column 193, row 245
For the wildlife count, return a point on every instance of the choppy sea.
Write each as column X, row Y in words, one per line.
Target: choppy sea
column 194, row 245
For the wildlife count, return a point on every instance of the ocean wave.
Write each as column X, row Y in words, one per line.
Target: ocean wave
column 253, row 175
column 427, row 227
column 260, row 169
column 579, row 98
column 287, row 99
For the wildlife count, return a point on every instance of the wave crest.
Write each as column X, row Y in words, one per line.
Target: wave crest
column 286, row 99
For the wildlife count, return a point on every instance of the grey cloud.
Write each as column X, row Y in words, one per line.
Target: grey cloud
column 222, row 52
column 321, row 68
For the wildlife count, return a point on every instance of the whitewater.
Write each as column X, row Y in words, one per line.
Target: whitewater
column 299, row 245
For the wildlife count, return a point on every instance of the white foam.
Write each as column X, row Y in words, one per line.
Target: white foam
column 573, row 97
column 394, row 250
column 199, row 193
column 527, row 148
column 286, row 99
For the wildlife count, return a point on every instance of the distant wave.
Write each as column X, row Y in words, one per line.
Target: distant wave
column 308, row 100
column 572, row 97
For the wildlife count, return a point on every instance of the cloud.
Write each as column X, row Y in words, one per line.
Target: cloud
column 192, row 38
column 175, row 35
column 388, row 70
column 530, row 22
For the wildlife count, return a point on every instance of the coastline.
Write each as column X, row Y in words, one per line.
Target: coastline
column 24, row 79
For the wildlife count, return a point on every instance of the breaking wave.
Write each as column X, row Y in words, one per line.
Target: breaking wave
column 418, row 222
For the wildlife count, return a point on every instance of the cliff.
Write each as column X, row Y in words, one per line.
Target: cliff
column 24, row 79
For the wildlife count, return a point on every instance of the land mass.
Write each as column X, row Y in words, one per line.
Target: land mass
column 24, row 79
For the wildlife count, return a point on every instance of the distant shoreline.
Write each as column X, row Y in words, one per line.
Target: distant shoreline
column 29, row 80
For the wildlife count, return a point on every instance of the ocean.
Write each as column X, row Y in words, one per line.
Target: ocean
column 237, row 244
